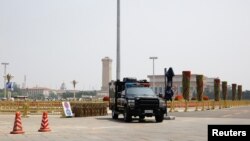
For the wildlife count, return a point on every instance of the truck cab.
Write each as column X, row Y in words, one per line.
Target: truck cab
column 134, row 98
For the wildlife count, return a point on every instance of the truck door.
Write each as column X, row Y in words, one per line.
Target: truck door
column 121, row 100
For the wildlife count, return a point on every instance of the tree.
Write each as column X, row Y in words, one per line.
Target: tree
column 186, row 84
column 16, row 89
column 199, row 87
column 52, row 96
column 37, row 96
column 246, row 95
column 217, row 89
column 1, row 94
column 67, row 94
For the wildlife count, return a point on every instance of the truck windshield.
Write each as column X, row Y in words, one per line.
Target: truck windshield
column 140, row 91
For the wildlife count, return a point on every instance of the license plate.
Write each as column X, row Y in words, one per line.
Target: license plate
column 148, row 111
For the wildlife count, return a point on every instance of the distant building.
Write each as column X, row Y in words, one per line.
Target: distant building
column 31, row 92
column 36, row 90
column 177, row 84
column 59, row 93
column 106, row 73
column 106, row 76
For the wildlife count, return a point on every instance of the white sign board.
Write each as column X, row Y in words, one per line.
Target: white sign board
column 67, row 109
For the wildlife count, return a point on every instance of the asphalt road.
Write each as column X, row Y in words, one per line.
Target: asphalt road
column 234, row 112
column 187, row 126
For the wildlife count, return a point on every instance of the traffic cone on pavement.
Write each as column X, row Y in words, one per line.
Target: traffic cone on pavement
column 17, row 129
column 45, row 123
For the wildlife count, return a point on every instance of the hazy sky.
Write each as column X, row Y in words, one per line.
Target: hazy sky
column 55, row 41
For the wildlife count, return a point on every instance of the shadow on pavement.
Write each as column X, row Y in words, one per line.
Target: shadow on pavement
column 120, row 120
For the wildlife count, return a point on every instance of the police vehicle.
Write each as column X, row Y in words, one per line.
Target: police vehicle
column 134, row 98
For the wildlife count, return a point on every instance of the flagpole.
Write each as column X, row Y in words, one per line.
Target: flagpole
column 118, row 67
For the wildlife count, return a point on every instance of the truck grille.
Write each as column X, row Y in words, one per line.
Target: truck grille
column 147, row 103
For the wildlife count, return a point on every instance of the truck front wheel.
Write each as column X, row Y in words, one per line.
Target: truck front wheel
column 114, row 115
column 127, row 115
column 159, row 118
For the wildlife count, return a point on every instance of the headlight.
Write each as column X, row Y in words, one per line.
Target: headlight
column 162, row 103
column 131, row 102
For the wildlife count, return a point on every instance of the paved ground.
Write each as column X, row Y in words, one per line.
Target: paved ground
column 187, row 126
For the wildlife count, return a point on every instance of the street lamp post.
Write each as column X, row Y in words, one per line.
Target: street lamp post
column 5, row 64
column 153, row 58
column 74, row 85
column 118, row 42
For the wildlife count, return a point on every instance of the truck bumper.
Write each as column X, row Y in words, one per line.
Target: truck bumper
column 147, row 112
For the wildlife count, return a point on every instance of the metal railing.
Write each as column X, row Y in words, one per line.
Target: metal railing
column 79, row 108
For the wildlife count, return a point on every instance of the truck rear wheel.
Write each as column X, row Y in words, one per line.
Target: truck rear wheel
column 127, row 115
column 141, row 118
column 114, row 115
column 159, row 118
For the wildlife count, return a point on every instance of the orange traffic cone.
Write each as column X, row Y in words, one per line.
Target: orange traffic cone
column 17, row 129
column 45, row 123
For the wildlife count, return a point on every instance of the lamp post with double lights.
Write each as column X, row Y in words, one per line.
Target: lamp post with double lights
column 153, row 58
